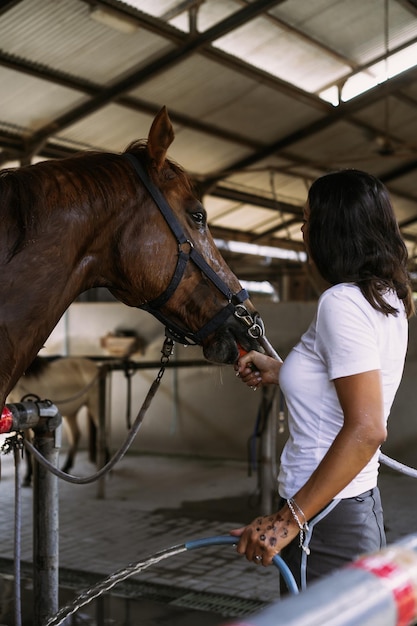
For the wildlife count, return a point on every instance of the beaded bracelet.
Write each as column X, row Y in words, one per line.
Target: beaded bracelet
column 292, row 505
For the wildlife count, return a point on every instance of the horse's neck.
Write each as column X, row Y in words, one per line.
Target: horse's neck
column 31, row 306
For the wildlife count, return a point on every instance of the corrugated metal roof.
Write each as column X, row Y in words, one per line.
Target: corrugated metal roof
column 62, row 35
column 241, row 82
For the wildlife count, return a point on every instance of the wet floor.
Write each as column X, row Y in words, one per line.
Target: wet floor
column 109, row 609
column 152, row 503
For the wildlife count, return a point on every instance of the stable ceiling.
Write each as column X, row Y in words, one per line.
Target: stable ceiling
column 264, row 97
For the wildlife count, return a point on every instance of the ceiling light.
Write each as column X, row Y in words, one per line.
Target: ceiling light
column 374, row 75
column 262, row 287
column 114, row 19
column 242, row 247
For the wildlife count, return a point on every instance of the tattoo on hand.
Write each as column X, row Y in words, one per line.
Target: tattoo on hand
column 270, row 528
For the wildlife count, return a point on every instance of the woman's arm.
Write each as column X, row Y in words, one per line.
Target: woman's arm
column 362, row 433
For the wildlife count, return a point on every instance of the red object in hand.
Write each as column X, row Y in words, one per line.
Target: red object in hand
column 6, row 421
column 242, row 352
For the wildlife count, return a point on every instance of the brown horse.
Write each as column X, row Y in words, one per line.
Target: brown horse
column 95, row 220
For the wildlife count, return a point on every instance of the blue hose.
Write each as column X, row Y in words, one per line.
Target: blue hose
column 86, row 596
column 228, row 539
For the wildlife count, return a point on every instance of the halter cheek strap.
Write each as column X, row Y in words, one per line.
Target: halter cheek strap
column 186, row 252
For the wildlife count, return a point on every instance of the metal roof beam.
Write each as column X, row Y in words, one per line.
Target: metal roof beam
column 247, row 198
column 402, row 170
column 167, row 60
column 6, row 5
column 284, row 225
column 144, row 20
column 45, row 73
column 161, row 28
column 70, row 82
column 410, row 5
column 343, row 111
column 408, row 222
column 229, row 234
column 312, row 41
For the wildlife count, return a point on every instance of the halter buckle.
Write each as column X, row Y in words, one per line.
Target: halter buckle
column 188, row 243
column 254, row 324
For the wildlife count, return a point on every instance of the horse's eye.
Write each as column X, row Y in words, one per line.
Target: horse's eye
column 199, row 217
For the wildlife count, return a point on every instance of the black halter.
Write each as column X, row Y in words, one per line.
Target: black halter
column 186, row 251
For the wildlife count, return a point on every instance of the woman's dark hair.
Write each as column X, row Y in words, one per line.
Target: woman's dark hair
column 353, row 236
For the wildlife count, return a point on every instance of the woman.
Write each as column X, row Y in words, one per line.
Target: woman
column 339, row 383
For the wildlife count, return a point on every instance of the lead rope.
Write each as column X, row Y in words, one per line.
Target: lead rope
column 166, row 353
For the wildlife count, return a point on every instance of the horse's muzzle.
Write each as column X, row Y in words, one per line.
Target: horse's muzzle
column 222, row 347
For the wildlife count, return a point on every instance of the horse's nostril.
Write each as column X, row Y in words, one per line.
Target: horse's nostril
column 222, row 350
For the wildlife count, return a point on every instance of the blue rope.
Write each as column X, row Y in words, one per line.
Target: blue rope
column 228, row 539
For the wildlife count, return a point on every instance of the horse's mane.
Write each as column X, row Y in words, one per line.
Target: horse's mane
column 29, row 195
column 93, row 178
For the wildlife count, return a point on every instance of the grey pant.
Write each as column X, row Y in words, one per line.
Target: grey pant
column 353, row 527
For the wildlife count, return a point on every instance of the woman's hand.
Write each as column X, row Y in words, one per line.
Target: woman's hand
column 256, row 369
column 261, row 540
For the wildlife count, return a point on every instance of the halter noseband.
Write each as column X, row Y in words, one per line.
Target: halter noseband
column 186, row 252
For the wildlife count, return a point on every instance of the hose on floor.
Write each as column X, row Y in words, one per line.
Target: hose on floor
column 85, row 597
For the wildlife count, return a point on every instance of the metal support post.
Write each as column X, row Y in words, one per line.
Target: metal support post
column 101, row 434
column 45, row 528
column 45, row 420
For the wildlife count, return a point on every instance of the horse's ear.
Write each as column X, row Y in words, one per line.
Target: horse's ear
column 161, row 136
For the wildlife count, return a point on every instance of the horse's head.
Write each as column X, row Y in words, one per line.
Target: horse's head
column 192, row 291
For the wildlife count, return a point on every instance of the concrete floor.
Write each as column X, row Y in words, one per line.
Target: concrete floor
column 152, row 503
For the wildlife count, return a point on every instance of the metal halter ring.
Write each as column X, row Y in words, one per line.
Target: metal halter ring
column 256, row 330
column 254, row 324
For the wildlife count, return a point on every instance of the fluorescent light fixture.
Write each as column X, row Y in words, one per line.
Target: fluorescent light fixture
column 262, row 287
column 373, row 76
column 114, row 19
column 263, row 251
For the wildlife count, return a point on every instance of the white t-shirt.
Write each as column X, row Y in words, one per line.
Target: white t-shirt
column 347, row 336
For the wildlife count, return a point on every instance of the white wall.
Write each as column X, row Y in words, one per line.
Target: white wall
column 204, row 411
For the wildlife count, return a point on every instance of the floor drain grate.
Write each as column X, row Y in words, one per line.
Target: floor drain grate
column 224, row 605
